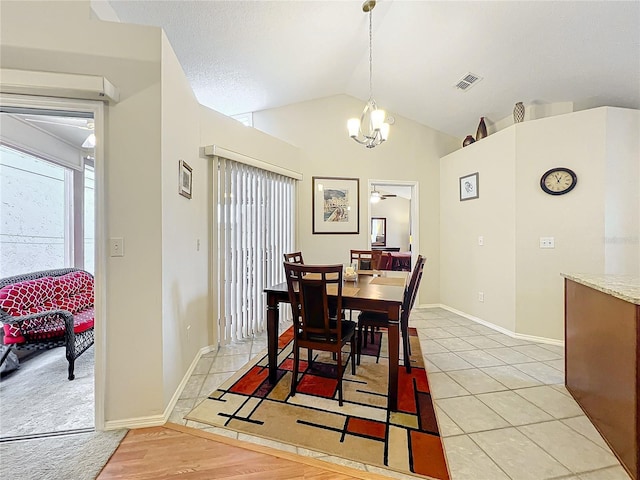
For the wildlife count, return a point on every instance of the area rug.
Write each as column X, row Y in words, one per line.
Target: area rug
column 362, row 430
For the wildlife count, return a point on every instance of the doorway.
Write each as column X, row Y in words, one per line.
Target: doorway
column 51, row 172
column 393, row 221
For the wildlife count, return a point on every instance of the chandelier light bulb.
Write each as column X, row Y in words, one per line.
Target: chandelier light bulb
column 377, row 119
column 354, row 127
column 384, row 131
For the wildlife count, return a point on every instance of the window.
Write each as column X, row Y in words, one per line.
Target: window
column 256, row 211
column 89, row 221
column 37, row 214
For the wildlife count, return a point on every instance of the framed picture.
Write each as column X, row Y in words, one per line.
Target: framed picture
column 184, row 179
column 335, row 205
column 469, row 187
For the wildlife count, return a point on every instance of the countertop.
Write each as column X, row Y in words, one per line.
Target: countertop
column 625, row 287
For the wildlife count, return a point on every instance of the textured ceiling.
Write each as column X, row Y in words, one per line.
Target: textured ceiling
column 243, row 56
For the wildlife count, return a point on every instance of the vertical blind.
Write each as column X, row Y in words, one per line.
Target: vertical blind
column 255, row 215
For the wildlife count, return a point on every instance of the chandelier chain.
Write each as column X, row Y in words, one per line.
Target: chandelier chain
column 371, row 129
column 370, row 57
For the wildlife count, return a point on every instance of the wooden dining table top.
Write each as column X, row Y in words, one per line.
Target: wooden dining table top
column 380, row 285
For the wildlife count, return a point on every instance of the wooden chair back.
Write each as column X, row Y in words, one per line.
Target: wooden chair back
column 293, row 257
column 411, row 292
column 307, row 285
column 367, row 258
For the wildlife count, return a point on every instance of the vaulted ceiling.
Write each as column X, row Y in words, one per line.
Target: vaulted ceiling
column 245, row 56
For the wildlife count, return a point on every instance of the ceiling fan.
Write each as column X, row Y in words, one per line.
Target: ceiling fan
column 376, row 196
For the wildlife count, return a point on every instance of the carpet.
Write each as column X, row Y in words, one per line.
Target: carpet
column 362, row 430
column 78, row 456
column 37, row 398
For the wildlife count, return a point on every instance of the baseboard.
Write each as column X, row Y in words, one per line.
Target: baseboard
column 497, row 328
column 139, row 422
column 185, row 379
column 157, row 420
column 533, row 338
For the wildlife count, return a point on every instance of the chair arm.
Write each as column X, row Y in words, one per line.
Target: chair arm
column 41, row 322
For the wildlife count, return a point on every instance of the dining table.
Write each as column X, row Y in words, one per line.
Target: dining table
column 372, row 290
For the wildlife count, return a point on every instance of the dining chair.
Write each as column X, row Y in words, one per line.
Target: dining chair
column 314, row 326
column 367, row 259
column 377, row 319
column 294, row 257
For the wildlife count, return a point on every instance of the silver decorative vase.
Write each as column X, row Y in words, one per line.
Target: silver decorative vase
column 518, row 113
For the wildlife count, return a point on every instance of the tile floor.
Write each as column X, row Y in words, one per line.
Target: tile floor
column 501, row 404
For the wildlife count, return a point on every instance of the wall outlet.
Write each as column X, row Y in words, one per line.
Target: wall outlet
column 547, row 242
column 481, row 296
column 480, row 240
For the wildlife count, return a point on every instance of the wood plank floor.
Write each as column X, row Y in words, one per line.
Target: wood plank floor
column 175, row 451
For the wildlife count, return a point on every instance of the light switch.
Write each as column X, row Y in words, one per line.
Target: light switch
column 116, row 246
column 480, row 240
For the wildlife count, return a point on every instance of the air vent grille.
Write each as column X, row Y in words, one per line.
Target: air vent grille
column 467, row 81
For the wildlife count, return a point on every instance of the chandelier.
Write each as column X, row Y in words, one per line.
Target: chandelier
column 371, row 130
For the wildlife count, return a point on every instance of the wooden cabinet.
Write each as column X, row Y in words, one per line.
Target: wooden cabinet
column 602, row 370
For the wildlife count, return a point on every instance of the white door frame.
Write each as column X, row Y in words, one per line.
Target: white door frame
column 97, row 109
column 413, row 207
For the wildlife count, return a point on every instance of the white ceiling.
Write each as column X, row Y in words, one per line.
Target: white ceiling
column 244, row 56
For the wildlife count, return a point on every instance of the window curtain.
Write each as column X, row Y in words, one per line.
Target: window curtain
column 256, row 225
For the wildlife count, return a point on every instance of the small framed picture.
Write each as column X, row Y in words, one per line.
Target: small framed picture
column 184, row 179
column 469, row 187
column 335, row 205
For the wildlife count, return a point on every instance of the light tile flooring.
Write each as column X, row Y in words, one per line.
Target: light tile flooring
column 501, row 404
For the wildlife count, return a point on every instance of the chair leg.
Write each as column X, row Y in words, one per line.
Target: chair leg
column 294, row 379
column 72, row 362
column 340, row 380
column 309, row 357
column 373, row 338
column 359, row 342
column 353, row 354
column 407, row 348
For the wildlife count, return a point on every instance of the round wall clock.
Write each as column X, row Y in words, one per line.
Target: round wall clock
column 558, row 181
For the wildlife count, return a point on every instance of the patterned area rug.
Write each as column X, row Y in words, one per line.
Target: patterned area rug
column 362, row 430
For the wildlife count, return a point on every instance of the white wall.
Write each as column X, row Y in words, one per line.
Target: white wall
column 467, row 268
column 622, row 174
column 575, row 220
column 185, row 233
column 412, row 152
column 522, row 283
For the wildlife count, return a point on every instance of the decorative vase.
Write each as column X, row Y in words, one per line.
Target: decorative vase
column 482, row 130
column 468, row 140
column 518, row 113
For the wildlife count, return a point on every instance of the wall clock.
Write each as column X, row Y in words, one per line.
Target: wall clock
column 558, row 181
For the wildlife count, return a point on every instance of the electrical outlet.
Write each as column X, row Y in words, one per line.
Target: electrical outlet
column 481, row 296
column 547, row 242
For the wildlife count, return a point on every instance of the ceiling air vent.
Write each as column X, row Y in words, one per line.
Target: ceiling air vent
column 467, row 81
